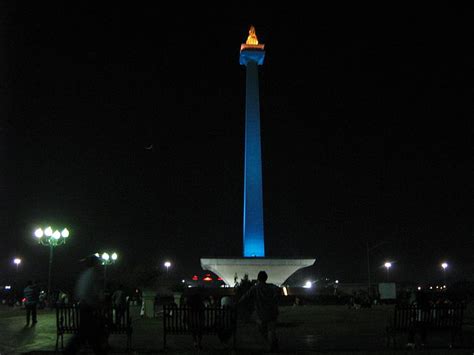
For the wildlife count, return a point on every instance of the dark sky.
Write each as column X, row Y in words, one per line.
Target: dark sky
column 367, row 132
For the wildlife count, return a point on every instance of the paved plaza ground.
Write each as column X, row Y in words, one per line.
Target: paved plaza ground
column 304, row 329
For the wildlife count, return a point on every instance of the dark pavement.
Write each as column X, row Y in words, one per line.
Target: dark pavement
column 306, row 329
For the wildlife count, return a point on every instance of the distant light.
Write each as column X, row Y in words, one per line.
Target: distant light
column 431, row 287
column 39, row 233
column 189, row 286
column 337, row 281
column 308, row 284
column 56, row 235
column 437, row 286
column 167, row 264
column 17, row 261
column 65, row 233
column 419, row 288
column 444, row 286
column 222, row 285
column 444, row 265
column 195, row 278
column 114, row 256
column 97, row 254
column 8, row 287
column 183, row 281
column 105, row 256
column 388, row 265
column 285, row 291
column 48, row 232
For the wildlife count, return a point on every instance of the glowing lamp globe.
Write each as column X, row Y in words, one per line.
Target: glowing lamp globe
column 65, row 233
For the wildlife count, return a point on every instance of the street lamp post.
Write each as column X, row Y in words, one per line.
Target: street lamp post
column 51, row 239
column 107, row 259
column 17, row 262
column 388, row 265
column 444, row 265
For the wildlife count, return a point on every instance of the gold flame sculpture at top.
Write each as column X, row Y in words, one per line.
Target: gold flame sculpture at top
column 252, row 38
column 252, row 41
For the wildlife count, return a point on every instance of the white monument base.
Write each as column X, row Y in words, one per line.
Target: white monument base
column 278, row 270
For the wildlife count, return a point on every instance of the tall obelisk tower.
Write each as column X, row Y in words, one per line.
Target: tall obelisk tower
column 251, row 55
column 231, row 269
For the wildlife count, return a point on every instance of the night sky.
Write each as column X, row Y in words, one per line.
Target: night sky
column 367, row 131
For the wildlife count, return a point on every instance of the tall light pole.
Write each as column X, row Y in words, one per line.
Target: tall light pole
column 107, row 259
column 369, row 249
column 51, row 239
column 444, row 265
column 17, row 262
column 167, row 265
column 388, row 265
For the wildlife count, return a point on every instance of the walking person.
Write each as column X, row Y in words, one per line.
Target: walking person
column 265, row 298
column 119, row 304
column 31, row 294
column 90, row 296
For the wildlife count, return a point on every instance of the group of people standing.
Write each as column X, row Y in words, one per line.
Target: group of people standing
column 89, row 292
column 263, row 297
column 91, row 299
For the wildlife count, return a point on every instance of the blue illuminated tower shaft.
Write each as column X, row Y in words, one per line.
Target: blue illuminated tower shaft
column 254, row 244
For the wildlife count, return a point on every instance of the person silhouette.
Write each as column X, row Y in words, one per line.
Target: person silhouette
column 119, row 303
column 195, row 319
column 265, row 298
column 90, row 296
column 31, row 294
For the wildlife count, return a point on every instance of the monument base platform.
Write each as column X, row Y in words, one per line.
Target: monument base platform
column 278, row 269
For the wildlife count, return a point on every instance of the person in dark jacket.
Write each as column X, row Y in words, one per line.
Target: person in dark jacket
column 265, row 299
column 31, row 295
column 419, row 324
column 195, row 318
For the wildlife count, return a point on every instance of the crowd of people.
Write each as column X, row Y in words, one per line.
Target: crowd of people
column 92, row 298
column 259, row 299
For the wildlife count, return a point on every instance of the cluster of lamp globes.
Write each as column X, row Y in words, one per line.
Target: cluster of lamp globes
column 107, row 258
column 48, row 236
